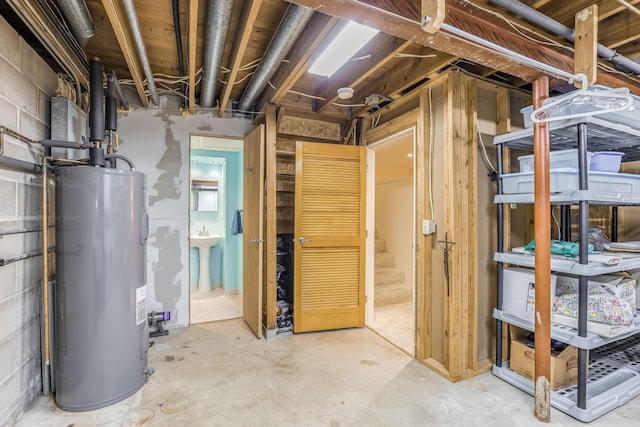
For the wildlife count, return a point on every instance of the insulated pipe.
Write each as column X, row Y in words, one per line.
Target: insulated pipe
column 111, row 106
column 290, row 28
column 142, row 50
column 96, row 106
column 217, row 28
column 559, row 29
column 111, row 76
column 79, row 18
column 19, row 165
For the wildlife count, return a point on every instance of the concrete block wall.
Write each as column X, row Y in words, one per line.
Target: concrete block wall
column 26, row 86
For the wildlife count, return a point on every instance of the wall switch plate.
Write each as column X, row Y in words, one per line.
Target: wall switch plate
column 428, row 226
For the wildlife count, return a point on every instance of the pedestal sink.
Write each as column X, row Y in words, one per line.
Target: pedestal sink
column 204, row 245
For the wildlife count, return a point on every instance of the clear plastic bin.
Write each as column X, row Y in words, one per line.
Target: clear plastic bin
column 606, row 161
column 561, row 159
column 567, row 180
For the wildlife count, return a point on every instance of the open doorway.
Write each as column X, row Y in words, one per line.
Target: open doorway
column 215, row 233
column 393, row 311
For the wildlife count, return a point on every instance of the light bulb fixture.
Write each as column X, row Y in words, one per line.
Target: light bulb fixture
column 345, row 93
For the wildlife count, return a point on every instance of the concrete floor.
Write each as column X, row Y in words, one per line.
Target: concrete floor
column 395, row 323
column 219, row 374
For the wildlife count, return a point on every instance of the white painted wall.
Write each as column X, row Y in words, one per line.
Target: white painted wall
column 26, row 86
column 158, row 143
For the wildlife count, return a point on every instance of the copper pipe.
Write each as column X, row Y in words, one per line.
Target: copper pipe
column 542, row 208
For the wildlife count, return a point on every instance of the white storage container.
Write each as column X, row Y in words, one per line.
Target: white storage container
column 606, row 161
column 567, row 180
column 561, row 159
column 519, row 292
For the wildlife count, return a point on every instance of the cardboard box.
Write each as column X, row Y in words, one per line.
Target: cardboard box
column 563, row 365
column 519, row 292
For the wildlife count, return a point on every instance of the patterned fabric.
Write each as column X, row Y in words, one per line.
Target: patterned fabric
column 602, row 308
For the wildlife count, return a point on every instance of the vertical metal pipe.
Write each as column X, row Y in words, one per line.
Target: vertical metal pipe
column 142, row 50
column 565, row 223
column 583, row 283
column 500, row 266
column 614, row 223
column 46, row 374
column 176, row 27
column 543, row 257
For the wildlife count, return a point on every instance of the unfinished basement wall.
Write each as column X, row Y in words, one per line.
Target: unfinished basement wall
column 157, row 141
column 454, row 323
column 25, row 89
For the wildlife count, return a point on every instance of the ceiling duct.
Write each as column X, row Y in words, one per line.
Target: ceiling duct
column 217, row 28
column 290, row 28
column 142, row 50
column 79, row 18
column 562, row 30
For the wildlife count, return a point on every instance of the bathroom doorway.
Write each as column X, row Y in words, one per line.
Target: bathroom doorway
column 391, row 311
column 215, row 232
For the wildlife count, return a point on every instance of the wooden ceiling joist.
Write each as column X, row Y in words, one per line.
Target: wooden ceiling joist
column 248, row 19
column 319, row 29
column 402, row 19
column 121, row 29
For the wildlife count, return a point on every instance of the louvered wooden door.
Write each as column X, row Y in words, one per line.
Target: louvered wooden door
column 329, row 254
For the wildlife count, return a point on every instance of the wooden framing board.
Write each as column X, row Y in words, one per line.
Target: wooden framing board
column 270, row 235
column 586, row 29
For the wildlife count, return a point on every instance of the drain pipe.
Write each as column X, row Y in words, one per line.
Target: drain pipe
column 217, row 28
column 290, row 28
column 559, row 29
column 79, row 18
column 142, row 50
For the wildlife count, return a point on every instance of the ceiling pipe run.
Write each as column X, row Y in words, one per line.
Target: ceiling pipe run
column 559, row 29
column 217, row 28
column 79, row 18
column 290, row 28
column 142, row 50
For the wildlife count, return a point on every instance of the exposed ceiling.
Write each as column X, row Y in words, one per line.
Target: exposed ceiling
column 398, row 59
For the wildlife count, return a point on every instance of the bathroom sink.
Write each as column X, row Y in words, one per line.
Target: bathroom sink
column 204, row 241
column 204, row 245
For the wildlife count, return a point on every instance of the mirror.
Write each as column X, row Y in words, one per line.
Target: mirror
column 204, row 195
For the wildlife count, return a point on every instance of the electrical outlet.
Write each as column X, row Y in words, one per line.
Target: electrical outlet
column 428, row 226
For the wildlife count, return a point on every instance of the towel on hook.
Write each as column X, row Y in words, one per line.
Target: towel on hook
column 236, row 223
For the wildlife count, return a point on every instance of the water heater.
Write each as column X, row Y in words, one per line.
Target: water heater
column 101, row 331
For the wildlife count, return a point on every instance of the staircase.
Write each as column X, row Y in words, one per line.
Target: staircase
column 390, row 286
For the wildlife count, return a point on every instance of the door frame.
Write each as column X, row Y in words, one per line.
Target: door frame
column 201, row 141
column 371, row 204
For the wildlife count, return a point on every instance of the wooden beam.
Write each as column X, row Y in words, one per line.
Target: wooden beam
column 271, row 231
column 118, row 21
column 618, row 31
column 193, row 38
column 413, row 72
column 402, row 19
column 586, row 42
column 383, row 50
column 564, row 11
column 317, row 34
column 542, row 205
column 240, row 42
column 433, row 12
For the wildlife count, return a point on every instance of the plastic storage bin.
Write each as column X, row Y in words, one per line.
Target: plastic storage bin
column 567, row 180
column 606, row 161
column 561, row 159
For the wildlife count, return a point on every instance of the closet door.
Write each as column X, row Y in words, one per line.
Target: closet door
column 253, row 229
column 329, row 255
